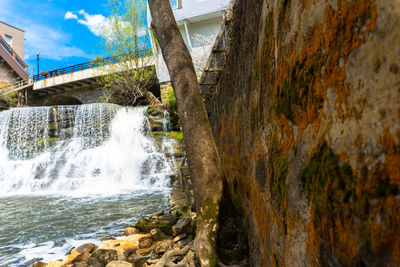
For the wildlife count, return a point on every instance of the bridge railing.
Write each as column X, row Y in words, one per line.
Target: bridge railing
column 16, row 86
column 91, row 64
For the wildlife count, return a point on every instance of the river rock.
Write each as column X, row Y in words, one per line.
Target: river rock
column 39, row 264
column 131, row 231
column 157, row 234
column 80, row 264
column 102, row 256
column 182, row 226
column 88, row 248
column 119, row 264
column 163, row 246
column 84, row 256
column 145, row 242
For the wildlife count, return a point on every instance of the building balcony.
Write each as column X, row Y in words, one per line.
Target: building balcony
column 13, row 60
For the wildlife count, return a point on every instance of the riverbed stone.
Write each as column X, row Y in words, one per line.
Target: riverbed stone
column 163, row 246
column 80, row 264
column 88, row 247
column 119, row 264
column 102, row 256
column 182, row 226
column 39, row 264
column 145, row 242
column 157, row 234
column 131, row 231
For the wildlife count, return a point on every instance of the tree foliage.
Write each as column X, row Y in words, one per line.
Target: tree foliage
column 125, row 39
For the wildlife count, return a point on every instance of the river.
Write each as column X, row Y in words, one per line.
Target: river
column 75, row 174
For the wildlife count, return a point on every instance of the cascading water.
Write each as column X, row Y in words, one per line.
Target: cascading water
column 81, row 162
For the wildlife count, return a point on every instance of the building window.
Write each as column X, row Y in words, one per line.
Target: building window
column 9, row 39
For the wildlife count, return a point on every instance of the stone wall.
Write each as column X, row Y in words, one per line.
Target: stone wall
column 306, row 116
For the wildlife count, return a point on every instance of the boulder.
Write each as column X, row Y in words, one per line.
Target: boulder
column 157, row 234
column 164, row 223
column 119, row 264
column 182, row 226
column 39, row 264
column 131, row 231
column 86, row 248
column 163, row 246
column 80, row 264
column 101, row 257
column 145, row 242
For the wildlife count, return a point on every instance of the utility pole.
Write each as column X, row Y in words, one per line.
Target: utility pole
column 37, row 58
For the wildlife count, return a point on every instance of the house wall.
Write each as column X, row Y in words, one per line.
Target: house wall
column 7, row 75
column 204, row 18
column 17, row 37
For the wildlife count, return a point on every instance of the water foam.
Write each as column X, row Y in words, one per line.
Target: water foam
column 101, row 149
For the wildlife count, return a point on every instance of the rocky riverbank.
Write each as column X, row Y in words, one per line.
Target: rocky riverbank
column 161, row 239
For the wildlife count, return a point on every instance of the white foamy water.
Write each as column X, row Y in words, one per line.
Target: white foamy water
column 110, row 152
column 73, row 174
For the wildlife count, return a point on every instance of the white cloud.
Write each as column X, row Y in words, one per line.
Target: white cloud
column 70, row 15
column 97, row 23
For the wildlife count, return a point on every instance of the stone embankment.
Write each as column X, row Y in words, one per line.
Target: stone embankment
column 161, row 239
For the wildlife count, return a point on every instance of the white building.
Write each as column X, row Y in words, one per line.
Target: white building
column 199, row 22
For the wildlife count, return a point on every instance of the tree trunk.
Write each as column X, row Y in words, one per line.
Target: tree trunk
column 204, row 162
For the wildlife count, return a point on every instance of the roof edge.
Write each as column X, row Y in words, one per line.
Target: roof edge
column 12, row 26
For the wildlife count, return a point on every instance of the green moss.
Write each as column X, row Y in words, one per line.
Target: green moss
column 42, row 140
column 297, row 88
column 327, row 184
column 277, row 184
column 175, row 135
column 145, row 225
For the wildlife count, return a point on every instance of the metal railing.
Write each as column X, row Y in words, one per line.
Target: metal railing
column 91, row 64
column 16, row 86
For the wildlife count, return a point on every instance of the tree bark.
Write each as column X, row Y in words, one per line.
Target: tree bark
column 203, row 159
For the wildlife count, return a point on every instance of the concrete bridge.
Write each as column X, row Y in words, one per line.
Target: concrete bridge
column 75, row 84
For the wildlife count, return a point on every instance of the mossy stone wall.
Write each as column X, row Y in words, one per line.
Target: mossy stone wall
column 306, row 117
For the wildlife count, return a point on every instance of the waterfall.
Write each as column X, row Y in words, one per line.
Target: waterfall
column 78, row 150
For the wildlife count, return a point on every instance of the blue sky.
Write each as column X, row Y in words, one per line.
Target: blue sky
column 65, row 32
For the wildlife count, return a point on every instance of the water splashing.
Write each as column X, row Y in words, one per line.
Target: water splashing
column 78, row 150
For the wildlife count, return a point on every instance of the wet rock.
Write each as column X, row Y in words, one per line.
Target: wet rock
column 39, row 264
column 119, row 264
column 145, row 225
column 163, row 246
column 102, row 256
column 182, row 226
column 84, row 256
column 157, row 234
column 138, row 262
column 107, row 238
column 87, row 248
column 145, row 242
column 131, row 231
column 80, row 264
